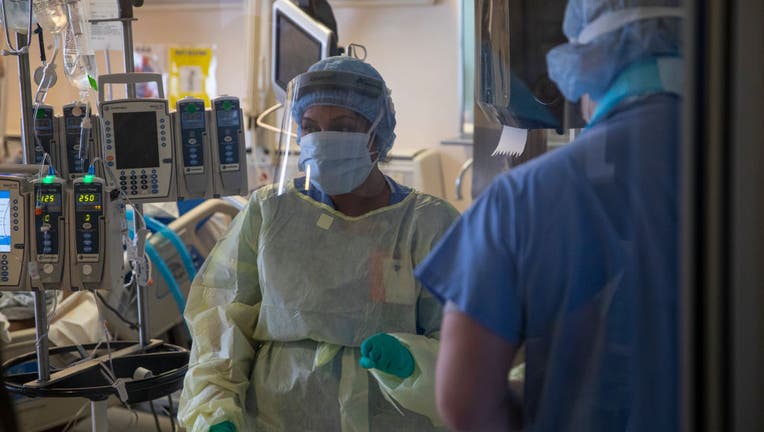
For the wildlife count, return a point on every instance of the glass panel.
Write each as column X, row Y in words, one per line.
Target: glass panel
column 571, row 260
column 467, row 51
column 567, row 259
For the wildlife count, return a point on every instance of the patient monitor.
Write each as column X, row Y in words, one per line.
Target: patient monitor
column 298, row 41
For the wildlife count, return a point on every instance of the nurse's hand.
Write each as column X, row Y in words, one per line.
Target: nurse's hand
column 226, row 426
column 387, row 354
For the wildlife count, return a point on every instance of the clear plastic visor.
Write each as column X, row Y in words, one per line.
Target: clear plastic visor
column 314, row 104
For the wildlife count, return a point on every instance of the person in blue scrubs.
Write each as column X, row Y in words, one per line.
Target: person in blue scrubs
column 573, row 255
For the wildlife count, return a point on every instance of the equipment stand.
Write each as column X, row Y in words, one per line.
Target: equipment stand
column 27, row 108
column 98, row 418
column 41, row 327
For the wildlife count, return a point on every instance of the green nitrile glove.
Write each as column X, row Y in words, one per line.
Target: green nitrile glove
column 387, row 354
column 226, row 426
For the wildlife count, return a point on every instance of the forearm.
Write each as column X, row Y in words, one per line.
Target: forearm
column 506, row 416
column 472, row 388
column 485, row 412
column 221, row 360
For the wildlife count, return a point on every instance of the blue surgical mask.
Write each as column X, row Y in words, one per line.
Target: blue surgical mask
column 338, row 161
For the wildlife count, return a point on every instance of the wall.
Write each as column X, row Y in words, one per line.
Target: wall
column 223, row 28
column 415, row 48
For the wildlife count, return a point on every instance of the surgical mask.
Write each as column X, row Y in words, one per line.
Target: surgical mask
column 337, row 162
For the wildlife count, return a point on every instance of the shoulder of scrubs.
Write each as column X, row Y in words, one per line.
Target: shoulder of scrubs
column 473, row 265
column 495, row 262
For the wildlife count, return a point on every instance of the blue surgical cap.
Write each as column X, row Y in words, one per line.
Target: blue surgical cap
column 590, row 68
column 362, row 103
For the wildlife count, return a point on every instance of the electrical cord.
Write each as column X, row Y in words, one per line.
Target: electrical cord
column 156, row 419
column 131, row 324
column 76, row 416
column 260, row 122
column 172, row 412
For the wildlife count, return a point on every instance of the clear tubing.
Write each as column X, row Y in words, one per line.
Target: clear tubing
column 85, row 130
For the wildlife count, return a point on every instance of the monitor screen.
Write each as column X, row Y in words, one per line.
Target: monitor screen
column 135, row 140
column 296, row 50
column 43, row 123
column 73, row 122
column 5, row 221
column 192, row 120
column 87, row 199
column 228, row 118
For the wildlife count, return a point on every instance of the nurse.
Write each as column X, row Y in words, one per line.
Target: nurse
column 306, row 316
column 573, row 256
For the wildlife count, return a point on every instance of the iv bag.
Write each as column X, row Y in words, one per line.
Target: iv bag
column 79, row 58
column 50, row 14
column 17, row 14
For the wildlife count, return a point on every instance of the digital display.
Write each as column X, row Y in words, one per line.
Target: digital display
column 5, row 221
column 296, row 51
column 135, row 140
column 43, row 123
column 192, row 120
column 88, row 198
column 228, row 118
column 48, row 210
column 48, row 197
column 73, row 122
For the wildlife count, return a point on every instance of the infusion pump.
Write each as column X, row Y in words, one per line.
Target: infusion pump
column 153, row 156
column 138, row 148
column 55, row 234
column 137, row 141
column 211, row 159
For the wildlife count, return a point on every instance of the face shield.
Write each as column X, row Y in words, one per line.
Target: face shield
column 328, row 132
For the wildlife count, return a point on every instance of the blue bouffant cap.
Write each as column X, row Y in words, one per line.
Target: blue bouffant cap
column 357, row 95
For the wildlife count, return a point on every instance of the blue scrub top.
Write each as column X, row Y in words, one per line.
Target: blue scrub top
column 574, row 255
column 398, row 192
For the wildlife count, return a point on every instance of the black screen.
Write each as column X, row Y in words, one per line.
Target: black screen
column 43, row 123
column 135, row 140
column 296, row 51
column 228, row 118
column 73, row 122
